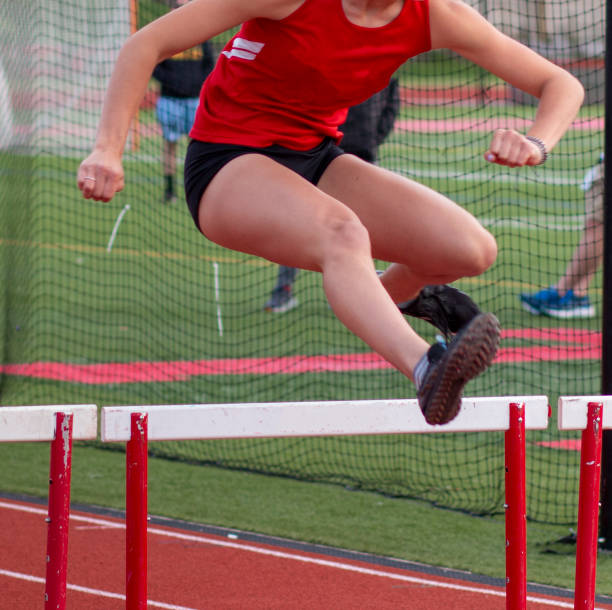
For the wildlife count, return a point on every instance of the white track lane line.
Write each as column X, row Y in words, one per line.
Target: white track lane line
column 96, row 592
column 302, row 558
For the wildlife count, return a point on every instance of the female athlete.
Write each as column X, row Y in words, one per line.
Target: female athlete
column 264, row 173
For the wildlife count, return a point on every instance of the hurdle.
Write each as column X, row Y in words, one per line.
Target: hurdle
column 58, row 424
column 591, row 414
column 137, row 425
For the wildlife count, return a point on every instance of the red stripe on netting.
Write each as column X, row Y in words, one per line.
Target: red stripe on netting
column 554, row 334
column 573, row 344
column 134, row 372
column 546, row 353
column 570, row 444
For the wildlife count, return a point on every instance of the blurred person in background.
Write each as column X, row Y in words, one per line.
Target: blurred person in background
column 568, row 298
column 180, row 77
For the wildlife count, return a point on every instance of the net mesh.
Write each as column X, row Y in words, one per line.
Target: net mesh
column 126, row 303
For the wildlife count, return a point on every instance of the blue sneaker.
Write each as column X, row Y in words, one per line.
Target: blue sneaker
column 535, row 303
column 570, row 306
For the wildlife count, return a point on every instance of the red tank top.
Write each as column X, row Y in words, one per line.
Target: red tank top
column 291, row 82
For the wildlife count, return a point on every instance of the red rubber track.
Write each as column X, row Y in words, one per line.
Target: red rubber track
column 201, row 571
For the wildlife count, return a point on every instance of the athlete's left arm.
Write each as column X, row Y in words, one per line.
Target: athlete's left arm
column 456, row 26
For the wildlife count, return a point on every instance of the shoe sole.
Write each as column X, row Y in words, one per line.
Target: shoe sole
column 570, row 314
column 468, row 355
column 285, row 307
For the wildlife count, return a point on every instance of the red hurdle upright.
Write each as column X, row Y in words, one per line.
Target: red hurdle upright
column 58, row 424
column 588, row 509
column 60, row 468
column 136, row 514
column 516, row 510
column 591, row 414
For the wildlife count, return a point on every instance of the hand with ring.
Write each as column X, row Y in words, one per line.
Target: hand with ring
column 100, row 176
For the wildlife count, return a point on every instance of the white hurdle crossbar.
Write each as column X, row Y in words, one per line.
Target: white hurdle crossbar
column 37, row 423
column 137, row 425
column 591, row 415
column 327, row 418
column 58, row 424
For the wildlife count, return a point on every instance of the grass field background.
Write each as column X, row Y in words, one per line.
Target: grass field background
column 151, row 299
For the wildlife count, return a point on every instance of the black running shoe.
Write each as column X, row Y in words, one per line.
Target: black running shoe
column 470, row 352
column 447, row 308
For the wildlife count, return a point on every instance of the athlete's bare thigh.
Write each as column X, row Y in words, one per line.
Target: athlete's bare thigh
column 257, row 206
column 407, row 222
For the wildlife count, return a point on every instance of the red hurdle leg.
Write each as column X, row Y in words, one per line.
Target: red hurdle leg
column 136, row 514
column 516, row 511
column 59, row 513
column 588, row 509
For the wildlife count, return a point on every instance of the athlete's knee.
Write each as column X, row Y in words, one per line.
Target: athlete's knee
column 481, row 255
column 346, row 235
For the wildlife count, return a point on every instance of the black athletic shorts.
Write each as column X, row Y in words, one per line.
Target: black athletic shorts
column 205, row 159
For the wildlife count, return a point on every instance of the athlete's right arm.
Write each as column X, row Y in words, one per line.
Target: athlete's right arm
column 100, row 175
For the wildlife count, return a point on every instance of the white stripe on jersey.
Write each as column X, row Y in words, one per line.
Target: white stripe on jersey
column 244, row 49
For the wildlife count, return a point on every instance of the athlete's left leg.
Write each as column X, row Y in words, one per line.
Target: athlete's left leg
column 430, row 239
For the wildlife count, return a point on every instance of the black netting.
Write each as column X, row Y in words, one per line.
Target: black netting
column 126, row 303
